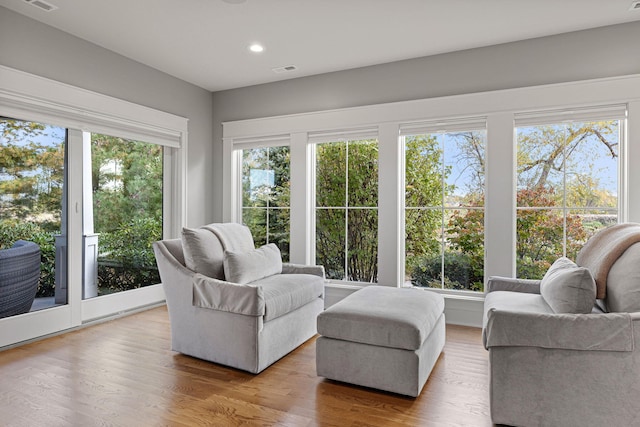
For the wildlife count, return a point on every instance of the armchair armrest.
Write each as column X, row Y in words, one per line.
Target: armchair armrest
column 316, row 270
column 588, row 332
column 226, row 296
column 499, row 283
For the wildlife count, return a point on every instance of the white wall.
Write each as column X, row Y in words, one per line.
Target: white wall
column 601, row 52
column 30, row 46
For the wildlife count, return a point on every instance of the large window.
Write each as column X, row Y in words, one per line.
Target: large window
column 265, row 195
column 567, row 188
column 346, row 210
column 444, row 209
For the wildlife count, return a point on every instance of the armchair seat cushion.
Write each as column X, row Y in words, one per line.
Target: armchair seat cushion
column 284, row 293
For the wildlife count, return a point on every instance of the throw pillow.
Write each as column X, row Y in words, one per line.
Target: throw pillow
column 568, row 288
column 248, row 266
column 203, row 252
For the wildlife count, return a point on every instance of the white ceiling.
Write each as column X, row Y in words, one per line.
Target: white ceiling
column 205, row 42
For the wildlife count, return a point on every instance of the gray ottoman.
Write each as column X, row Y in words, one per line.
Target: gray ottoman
column 382, row 337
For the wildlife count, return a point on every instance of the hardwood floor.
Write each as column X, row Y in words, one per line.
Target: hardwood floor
column 123, row 373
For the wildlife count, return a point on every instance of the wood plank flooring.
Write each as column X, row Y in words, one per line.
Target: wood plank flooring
column 123, row 373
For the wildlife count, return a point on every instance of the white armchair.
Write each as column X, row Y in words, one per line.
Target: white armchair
column 233, row 304
column 563, row 351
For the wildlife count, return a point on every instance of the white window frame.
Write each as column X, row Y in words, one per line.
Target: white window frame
column 26, row 96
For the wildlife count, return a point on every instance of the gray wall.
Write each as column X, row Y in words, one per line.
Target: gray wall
column 601, row 52
column 30, row 46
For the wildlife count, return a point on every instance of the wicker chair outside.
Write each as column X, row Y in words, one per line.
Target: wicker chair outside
column 19, row 276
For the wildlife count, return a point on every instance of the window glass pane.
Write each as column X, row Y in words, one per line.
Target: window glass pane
column 464, row 168
column 279, row 225
column 540, row 156
column 266, row 195
column 331, row 174
column 127, row 213
column 363, row 174
column 257, row 177
column 569, row 171
column 331, row 241
column 362, row 245
column 256, row 220
column 592, row 164
column 423, row 172
column 32, row 203
column 423, row 245
column 347, row 234
column 464, row 249
column 279, row 160
column 444, row 245
column 537, row 250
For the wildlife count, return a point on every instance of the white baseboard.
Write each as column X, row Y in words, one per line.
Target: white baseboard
column 458, row 310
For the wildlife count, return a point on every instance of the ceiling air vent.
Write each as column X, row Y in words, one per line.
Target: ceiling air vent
column 285, row 69
column 635, row 5
column 42, row 5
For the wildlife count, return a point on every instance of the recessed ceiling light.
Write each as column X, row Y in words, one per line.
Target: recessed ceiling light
column 257, row 48
column 635, row 5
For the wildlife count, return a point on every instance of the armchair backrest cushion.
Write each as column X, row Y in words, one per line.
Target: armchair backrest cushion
column 246, row 267
column 203, row 252
column 233, row 237
column 623, row 282
column 567, row 288
column 204, row 247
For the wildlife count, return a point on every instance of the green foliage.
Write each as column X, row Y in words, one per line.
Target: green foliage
column 459, row 272
column 126, row 259
column 12, row 231
column 126, row 179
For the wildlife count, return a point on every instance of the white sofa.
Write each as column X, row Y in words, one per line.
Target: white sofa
column 233, row 304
